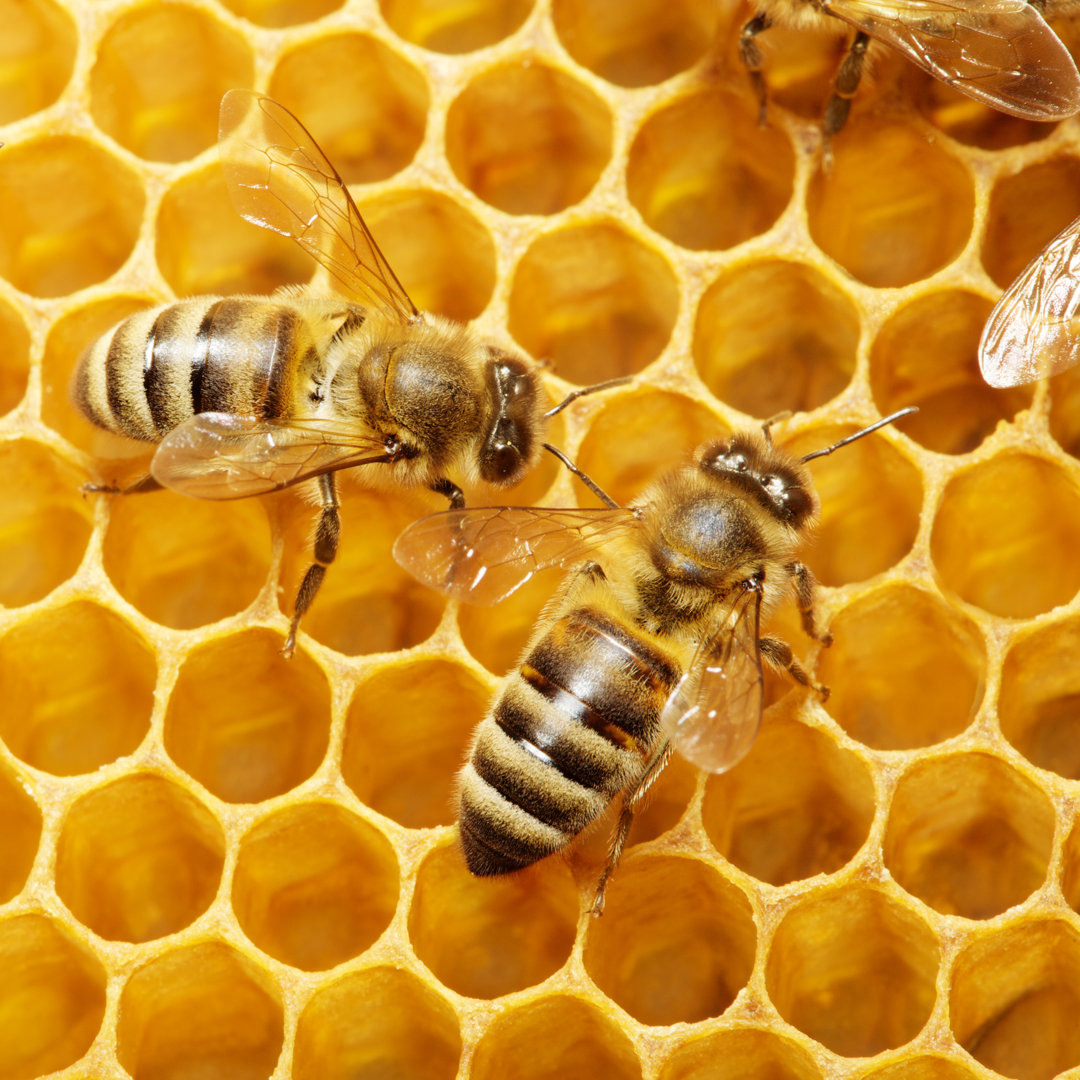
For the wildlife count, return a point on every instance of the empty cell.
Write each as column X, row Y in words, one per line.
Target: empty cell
column 73, row 717
column 314, row 885
column 1006, row 534
column 204, row 1010
column 498, row 639
column 968, row 835
column 854, row 970
column 594, row 300
column 921, row 1066
column 455, row 27
column 274, row 14
column 739, row 1054
column 19, row 836
column 14, row 357
column 528, row 138
column 244, row 721
column 138, row 859
column 375, row 1024
column 773, row 336
column 1065, row 411
column 492, row 936
column 37, row 56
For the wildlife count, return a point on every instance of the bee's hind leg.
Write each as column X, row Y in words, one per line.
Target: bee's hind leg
column 750, row 55
column 844, row 87
column 327, row 535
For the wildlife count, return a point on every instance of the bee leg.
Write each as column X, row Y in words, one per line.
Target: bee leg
column 750, row 55
column 804, row 597
column 844, row 87
column 327, row 534
column 778, row 653
column 145, row 483
column 449, row 490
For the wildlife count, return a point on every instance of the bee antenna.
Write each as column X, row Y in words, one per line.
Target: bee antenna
column 859, row 434
column 584, row 477
column 583, row 391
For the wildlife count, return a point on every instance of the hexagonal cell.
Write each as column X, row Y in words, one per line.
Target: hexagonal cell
column 499, row 642
column 1039, row 702
column 40, row 40
column 895, row 207
column 453, row 27
column 69, row 214
column 185, row 562
column 1027, row 210
column 739, row 1054
column 774, row 336
column 275, row 14
column 203, row 1010
column 202, row 245
column 314, row 885
column 1065, row 411
column 487, row 937
column 1006, row 535
column 921, row 1067
column 854, row 970
column 244, row 721
column 52, row 998
column 905, row 669
column 382, row 1022
column 14, row 357
column 138, row 859
column 364, row 103
column 1011, row 983
column 151, row 104
column 699, row 949
column 528, row 138
column 407, row 732
column 797, row 805
column 594, row 300
column 705, row 174
column 554, row 1036
column 20, row 836
column 45, row 522
column 927, row 355
column 968, row 835
column 76, row 716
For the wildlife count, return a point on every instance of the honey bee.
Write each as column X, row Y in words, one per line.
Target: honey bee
column 1000, row 52
column 652, row 644
column 250, row 394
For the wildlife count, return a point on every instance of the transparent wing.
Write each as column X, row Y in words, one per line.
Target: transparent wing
column 714, row 713
column 1034, row 329
column 999, row 52
column 220, row 456
column 484, row 554
column 280, row 180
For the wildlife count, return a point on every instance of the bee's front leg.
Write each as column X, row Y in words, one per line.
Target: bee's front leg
column 449, row 490
column 327, row 534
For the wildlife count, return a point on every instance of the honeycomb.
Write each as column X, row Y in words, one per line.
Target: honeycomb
column 218, row 864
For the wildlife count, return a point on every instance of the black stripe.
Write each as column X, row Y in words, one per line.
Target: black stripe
column 653, row 665
column 482, row 856
column 199, row 354
column 575, row 710
column 114, row 360
column 159, row 353
column 217, row 389
column 273, row 374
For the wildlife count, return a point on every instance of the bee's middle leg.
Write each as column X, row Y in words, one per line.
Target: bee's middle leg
column 327, row 534
column 750, row 55
column 844, row 86
column 779, row 654
column 143, row 484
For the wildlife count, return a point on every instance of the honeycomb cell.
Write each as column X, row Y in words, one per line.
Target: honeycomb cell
column 1014, row 997
column 1070, row 869
column 185, row 562
column 528, row 138
column 44, row 521
column 894, row 208
column 797, row 805
column 1026, row 211
column 557, row 1036
column 905, row 669
column 158, row 78
column 69, row 214
column 52, row 998
column 364, row 103
column 14, row 357
column 201, row 1011
column 275, row 14
column 314, row 885
column 455, row 27
column 826, row 970
column 1006, row 535
column 138, row 859
column 244, row 721
column 202, row 245
column 498, row 643
column 699, row 949
column 72, row 717
column 397, row 758
column 382, row 1022
column 20, row 835
column 774, row 336
column 594, row 300
column 485, row 937
column 705, row 174
column 1065, row 411
column 739, row 1054
column 920, row 1067
column 927, row 355
column 38, row 56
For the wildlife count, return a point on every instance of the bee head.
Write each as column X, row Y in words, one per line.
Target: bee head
column 511, row 442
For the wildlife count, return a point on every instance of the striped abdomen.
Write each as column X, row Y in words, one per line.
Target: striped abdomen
column 572, row 728
column 158, row 368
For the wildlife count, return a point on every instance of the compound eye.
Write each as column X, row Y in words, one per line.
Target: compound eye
column 775, row 487
column 733, row 462
column 503, row 463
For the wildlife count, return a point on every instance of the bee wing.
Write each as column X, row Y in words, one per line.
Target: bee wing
column 279, row 179
column 221, row 456
column 484, row 554
column 714, row 712
column 999, row 52
column 1034, row 329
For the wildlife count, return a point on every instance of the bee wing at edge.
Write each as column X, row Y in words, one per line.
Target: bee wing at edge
column 713, row 715
column 1034, row 329
column 279, row 179
column 221, row 456
column 999, row 52
column 484, row 554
